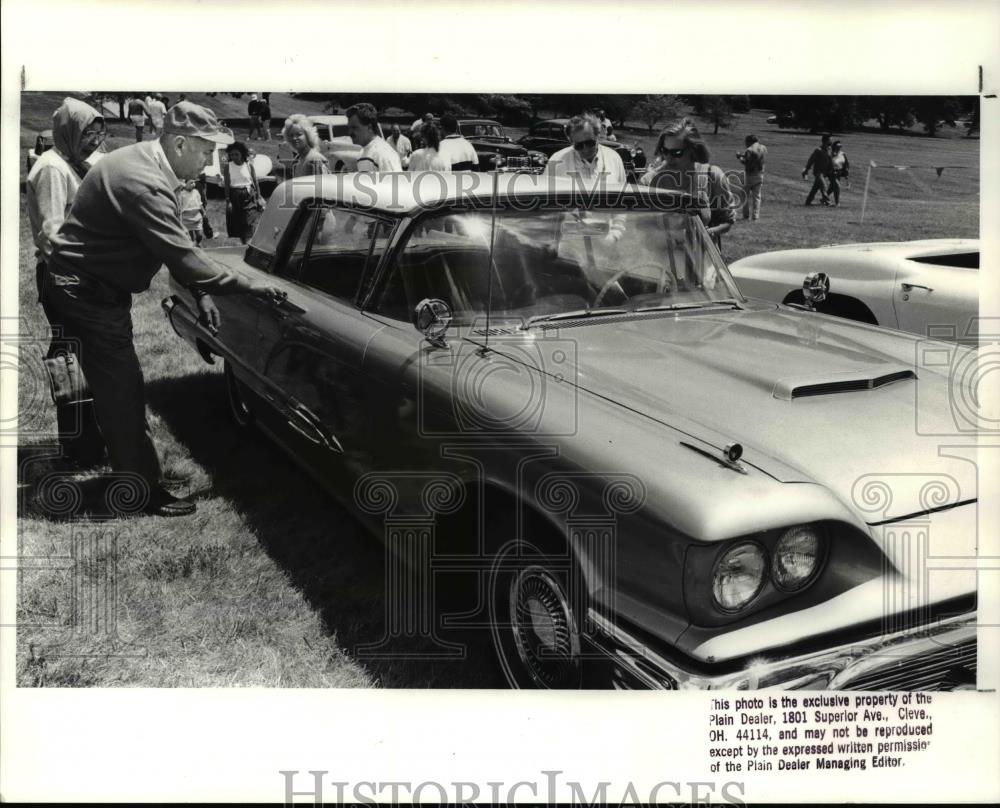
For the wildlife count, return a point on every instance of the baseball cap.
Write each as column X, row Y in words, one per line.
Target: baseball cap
column 187, row 118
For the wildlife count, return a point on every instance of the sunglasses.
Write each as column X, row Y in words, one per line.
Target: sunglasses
column 674, row 152
column 89, row 134
column 585, row 144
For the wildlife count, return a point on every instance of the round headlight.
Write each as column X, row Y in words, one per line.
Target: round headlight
column 796, row 557
column 738, row 576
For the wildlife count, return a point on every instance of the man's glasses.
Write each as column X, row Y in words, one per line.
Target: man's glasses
column 585, row 144
column 674, row 152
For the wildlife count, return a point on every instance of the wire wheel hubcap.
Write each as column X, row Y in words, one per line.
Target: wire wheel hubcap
column 545, row 632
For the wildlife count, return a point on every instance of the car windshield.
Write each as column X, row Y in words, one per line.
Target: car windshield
column 481, row 130
column 557, row 264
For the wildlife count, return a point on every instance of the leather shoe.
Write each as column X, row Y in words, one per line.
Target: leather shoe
column 163, row 503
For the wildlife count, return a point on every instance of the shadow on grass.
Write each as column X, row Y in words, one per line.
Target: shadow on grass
column 336, row 564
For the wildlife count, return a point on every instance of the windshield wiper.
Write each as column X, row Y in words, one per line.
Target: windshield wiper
column 679, row 306
column 571, row 315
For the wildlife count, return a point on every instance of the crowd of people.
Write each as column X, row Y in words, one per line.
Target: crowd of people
column 102, row 230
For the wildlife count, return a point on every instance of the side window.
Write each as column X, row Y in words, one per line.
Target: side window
column 293, row 265
column 346, row 246
column 446, row 257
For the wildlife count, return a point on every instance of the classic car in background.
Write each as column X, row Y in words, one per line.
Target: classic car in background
column 262, row 167
column 927, row 287
column 497, row 151
column 645, row 473
column 550, row 136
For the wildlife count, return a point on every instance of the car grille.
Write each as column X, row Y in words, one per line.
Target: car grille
column 944, row 669
column 521, row 164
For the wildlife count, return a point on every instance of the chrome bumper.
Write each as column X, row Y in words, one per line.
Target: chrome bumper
column 932, row 657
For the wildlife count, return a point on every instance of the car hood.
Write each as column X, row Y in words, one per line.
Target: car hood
column 765, row 379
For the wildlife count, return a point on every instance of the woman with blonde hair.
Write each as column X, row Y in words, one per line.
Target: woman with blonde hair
column 300, row 133
column 683, row 164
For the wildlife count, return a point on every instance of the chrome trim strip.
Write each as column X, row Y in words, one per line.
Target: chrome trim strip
column 831, row 668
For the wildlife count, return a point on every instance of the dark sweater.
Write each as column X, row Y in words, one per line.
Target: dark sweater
column 125, row 224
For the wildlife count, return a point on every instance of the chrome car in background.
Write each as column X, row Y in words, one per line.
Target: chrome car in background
column 927, row 287
column 496, row 150
column 566, row 399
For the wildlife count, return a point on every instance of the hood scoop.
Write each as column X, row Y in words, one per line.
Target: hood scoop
column 849, row 382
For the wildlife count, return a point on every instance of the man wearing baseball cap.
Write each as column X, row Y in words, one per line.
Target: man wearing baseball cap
column 123, row 227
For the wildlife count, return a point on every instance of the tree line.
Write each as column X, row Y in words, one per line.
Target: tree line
column 827, row 113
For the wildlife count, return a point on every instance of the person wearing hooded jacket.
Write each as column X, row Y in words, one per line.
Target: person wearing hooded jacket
column 77, row 131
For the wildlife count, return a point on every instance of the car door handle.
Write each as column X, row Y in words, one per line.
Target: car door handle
column 909, row 287
column 282, row 303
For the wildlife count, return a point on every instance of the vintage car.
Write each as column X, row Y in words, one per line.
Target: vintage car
column 497, row 151
column 563, row 398
column 262, row 167
column 550, row 136
column 927, row 287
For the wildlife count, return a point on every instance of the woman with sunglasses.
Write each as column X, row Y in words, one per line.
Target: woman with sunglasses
column 682, row 164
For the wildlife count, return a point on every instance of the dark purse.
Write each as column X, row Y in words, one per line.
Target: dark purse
column 206, row 226
column 66, row 379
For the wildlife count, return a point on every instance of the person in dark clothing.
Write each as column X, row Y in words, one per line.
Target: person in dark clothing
column 821, row 164
column 253, row 113
column 124, row 225
column 265, row 115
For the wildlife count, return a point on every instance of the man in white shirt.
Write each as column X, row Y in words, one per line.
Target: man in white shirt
column 455, row 148
column 585, row 157
column 589, row 164
column 376, row 154
column 401, row 143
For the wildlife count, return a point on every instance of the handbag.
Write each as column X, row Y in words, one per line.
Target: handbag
column 206, row 225
column 66, row 379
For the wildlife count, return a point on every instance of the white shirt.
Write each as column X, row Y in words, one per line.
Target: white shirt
column 239, row 176
column 428, row 160
column 607, row 166
column 402, row 145
column 377, row 156
column 157, row 111
column 456, row 149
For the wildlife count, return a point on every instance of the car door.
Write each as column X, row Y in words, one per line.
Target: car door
column 311, row 343
column 936, row 300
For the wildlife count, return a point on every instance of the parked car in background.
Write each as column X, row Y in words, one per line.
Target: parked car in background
column 648, row 477
column 550, row 136
column 262, row 166
column 928, row 287
column 497, row 151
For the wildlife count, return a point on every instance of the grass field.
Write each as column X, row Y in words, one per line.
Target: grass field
column 271, row 583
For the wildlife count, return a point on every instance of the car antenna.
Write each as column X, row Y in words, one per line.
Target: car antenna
column 489, row 264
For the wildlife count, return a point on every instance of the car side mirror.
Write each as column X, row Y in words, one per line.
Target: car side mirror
column 815, row 288
column 432, row 317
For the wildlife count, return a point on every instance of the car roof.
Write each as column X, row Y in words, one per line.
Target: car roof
column 489, row 121
column 405, row 193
